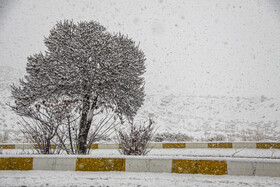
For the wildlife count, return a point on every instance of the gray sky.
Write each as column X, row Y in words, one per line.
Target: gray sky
column 201, row 47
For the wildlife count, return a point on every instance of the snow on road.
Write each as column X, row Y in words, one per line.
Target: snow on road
column 235, row 153
column 75, row 178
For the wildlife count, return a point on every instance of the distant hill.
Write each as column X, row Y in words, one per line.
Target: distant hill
column 210, row 117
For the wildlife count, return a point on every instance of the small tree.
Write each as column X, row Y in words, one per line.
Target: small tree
column 96, row 69
column 135, row 141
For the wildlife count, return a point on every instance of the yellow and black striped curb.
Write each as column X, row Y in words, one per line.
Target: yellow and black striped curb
column 245, row 167
column 236, row 145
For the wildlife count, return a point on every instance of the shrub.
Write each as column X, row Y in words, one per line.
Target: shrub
column 218, row 137
column 171, row 137
column 135, row 140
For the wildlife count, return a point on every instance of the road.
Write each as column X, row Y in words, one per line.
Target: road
column 124, row 179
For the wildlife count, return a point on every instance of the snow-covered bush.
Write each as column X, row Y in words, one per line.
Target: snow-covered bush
column 217, row 137
column 171, row 137
column 53, row 128
column 43, row 122
column 135, row 140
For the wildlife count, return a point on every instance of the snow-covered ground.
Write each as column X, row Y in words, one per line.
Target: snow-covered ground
column 108, row 179
column 229, row 153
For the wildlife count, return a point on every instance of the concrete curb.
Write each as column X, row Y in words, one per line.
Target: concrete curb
column 217, row 166
column 188, row 145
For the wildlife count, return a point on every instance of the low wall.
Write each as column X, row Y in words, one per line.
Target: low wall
column 206, row 166
column 235, row 145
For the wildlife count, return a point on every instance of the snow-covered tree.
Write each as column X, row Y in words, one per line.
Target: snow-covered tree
column 95, row 68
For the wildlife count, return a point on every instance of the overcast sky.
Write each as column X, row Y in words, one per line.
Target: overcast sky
column 198, row 47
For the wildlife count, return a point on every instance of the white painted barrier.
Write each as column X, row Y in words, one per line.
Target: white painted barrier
column 255, row 168
column 148, row 165
column 57, row 164
column 241, row 168
column 196, row 145
column 242, row 145
column 267, row 169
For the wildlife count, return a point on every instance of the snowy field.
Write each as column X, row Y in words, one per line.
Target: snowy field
column 201, row 118
column 108, row 179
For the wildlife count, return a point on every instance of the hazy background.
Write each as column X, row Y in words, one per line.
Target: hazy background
column 198, row 47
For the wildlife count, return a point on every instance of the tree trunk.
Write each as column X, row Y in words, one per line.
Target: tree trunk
column 70, row 136
column 85, row 123
column 47, row 148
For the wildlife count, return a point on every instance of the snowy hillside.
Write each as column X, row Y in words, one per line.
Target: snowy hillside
column 205, row 117
column 201, row 117
column 9, row 129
